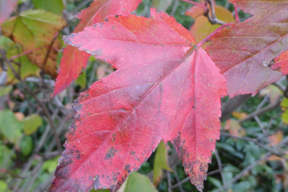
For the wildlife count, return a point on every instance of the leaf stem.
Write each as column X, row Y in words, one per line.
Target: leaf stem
column 195, row 3
column 212, row 34
column 25, row 53
column 236, row 14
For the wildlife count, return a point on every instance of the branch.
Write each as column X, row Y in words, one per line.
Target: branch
column 244, row 172
column 259, row 112
column 46, row 112
column 256, row 143
column 212, row 19
column 229, row 106
column 250, row 167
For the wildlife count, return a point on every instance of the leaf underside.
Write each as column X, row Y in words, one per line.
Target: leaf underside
column 243, row 50
column 164, row 88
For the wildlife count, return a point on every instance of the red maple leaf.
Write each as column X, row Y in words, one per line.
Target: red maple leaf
column 242, row 51
column 165, row 87
column 73, row 60
column 280, row 63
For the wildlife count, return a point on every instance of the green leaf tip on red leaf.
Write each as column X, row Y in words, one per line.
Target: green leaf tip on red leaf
column 165, row 88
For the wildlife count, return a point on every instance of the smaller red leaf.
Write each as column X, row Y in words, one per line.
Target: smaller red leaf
column 243, row 52
column 280, row 63
column 73, row 60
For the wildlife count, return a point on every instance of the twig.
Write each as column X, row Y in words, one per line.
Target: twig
column 169, row 181
column 178, row 180
column 46, row 112
column 279, row 85
column 256, row 143
column 259, row 112
column 82, row 4
column 187, row 178
column 176, row 2
column 219, row 164
column 250, row 167
column 229, row 106
column 244, row 172
column 46, row 58
column 25, row 53
column 286, row 90
column 212, row 19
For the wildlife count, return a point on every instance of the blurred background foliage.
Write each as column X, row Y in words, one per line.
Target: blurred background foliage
column 28, row 149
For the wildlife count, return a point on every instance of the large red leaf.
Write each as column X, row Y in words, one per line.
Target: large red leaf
column 165, row 88
column 73, row 60
column 242, row 51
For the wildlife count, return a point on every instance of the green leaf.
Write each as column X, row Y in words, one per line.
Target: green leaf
column 215, row 182
column 26, row 145
column 228, row 172
column 3, row 186
column 160, row 162
column 284, row 103
column 243, row 186
column 161, row 5
column 10, row 127
column 50, row 165
column 27, row 68
column 34, row 30
column 137, row 182
column 284, row 117
column 100, row 190
column 31, row 124
column 5, row 90
column 81, row 80
column 4, row 150
column 54, row 6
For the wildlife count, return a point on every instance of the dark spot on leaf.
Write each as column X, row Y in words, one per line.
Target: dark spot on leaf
column 113, row 136
column 127, row 168
column 106, row 19
column 110, row 153
column 269, row 63
column 116, row 16
column 96, row 182
column 97, row 52
column 72, row 128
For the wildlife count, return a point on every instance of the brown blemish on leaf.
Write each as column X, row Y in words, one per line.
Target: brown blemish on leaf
column 110, row 153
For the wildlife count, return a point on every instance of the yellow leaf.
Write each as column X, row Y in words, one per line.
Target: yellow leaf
column 202, row 27
column 239, row 115
column 34, row 30
column 276, row 138
column 234, row 128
